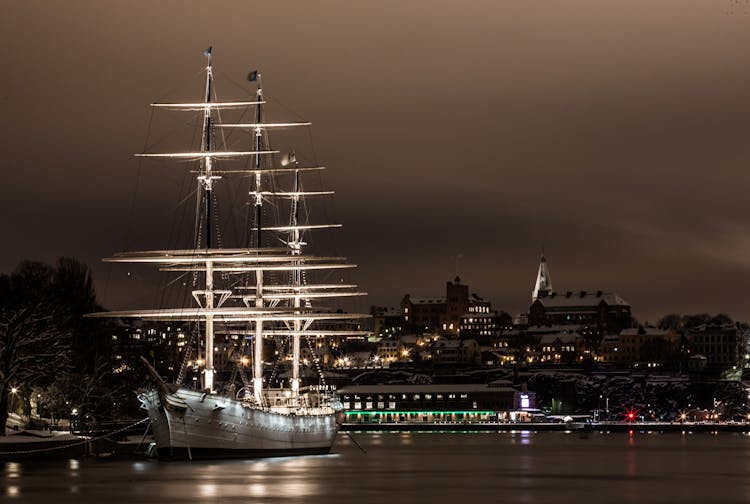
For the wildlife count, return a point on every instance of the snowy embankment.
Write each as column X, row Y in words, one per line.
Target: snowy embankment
column 24, row 444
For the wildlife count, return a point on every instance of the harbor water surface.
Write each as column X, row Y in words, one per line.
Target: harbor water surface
column 433, row 468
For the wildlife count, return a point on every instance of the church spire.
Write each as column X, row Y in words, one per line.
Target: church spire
column 543, row 286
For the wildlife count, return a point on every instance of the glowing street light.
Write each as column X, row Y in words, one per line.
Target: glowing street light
column 14, row 393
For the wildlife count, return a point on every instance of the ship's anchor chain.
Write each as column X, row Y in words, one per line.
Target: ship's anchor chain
column 316, row 361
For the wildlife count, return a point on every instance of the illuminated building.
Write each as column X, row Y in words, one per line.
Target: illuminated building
column 559, row 348
column 648, row 345
column 434, row 402
column 454, row 351
column 481, row 323
column 444, row 314
column 387, row 321
column 721, row 344
column 606, row 311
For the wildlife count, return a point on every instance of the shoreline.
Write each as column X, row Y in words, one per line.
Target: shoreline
column 602, row 427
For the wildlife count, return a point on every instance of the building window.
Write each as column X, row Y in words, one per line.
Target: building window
column 524, row 401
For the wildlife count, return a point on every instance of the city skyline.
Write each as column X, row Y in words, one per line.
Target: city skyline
column 614, row 137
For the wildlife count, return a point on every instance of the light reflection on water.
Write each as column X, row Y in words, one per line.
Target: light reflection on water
column 438, row 468
column 12, row 469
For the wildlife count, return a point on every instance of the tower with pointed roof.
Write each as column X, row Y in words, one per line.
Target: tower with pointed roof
column 543, row 286
column 599, row 311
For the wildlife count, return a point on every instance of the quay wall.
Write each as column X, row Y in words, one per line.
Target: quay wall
column 603, row 427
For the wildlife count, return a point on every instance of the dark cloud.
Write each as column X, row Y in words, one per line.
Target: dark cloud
column 612, row 133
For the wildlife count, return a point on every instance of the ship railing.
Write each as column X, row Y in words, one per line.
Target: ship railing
column 315, row 395
column 307, row 402
column 247, row 397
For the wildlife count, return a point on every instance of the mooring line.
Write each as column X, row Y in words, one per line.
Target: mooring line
column 355, row 442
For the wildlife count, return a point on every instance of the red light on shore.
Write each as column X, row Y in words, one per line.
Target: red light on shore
column 630, row 414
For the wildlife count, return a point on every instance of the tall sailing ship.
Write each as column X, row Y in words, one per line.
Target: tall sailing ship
column 253, row 290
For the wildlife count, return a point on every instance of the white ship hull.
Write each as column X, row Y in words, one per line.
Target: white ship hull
column 198, row 425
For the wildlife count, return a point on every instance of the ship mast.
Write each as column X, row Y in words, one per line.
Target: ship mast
column 207, row 179
column 258, row 341
column 296, row 245
column 273, row 309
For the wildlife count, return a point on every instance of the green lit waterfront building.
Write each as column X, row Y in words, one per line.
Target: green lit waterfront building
column 437, row 403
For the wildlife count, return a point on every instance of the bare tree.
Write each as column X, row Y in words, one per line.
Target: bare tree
column 33, row 349
column 39, row 306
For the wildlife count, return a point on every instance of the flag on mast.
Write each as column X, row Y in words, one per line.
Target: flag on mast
column 252, row 76
column 207, row 52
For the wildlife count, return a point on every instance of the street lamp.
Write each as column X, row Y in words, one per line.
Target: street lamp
column 14, row 394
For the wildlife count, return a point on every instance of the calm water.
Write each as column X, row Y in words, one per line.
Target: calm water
column 432, row 468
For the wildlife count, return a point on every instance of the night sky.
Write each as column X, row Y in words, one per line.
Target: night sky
column 613, row 134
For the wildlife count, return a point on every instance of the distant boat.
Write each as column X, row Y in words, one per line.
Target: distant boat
column 251, row 289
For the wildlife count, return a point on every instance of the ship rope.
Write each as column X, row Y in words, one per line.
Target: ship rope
column 219, row 121
column 189, row 345
column 198, row 230
column 215, row 215
column 246, row 382
column 316, row 361
column 239, row 368
column 236, row 367
column 281, row 348
column 217, row 229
